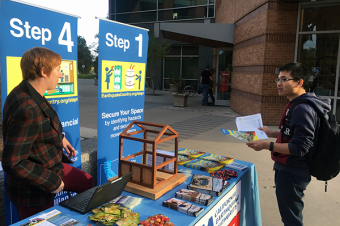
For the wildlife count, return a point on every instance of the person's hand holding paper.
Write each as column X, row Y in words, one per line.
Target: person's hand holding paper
column 251, row 123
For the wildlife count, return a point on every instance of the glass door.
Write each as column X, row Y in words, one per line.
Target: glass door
column 224, row 73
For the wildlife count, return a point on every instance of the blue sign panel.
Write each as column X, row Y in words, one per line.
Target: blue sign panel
column 121, row 82
column 24, row 27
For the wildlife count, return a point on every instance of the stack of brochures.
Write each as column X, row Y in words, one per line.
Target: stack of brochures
column 183, row 206
column 194, row 196
column 208, row 185
column 236, row 166
column 204, row 165
column 191, row 153
column 182, row 159
column 217, row 158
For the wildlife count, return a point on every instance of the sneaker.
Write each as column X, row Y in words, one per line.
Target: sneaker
column 205, row 104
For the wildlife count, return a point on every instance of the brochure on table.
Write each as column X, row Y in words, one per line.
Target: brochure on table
column 23, row 27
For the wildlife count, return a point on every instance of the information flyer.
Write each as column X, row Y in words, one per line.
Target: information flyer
column 53, row 218
column 121, row 91
column 23, row 27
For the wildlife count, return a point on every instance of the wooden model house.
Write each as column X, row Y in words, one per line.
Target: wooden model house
column 150, row 181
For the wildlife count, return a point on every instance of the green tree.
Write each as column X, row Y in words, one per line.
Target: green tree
column 156, row 52
column 84, row 56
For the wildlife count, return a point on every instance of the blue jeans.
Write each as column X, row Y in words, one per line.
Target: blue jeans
column 205, row 88
column 211, row 95
column 289, row 194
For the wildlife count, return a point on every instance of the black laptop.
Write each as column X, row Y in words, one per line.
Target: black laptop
column 97, row 196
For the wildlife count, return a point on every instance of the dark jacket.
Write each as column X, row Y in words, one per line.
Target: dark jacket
column 301, row 134
column 205, row 76
column 32, row 156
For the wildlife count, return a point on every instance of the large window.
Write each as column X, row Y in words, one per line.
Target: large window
column 136, row 17
column 318, row 48
column 182, row 61
column 320, row 18
column 319, row 52
column 142, row 11
column 119, row 6
column 165, row 4
column 183, row 14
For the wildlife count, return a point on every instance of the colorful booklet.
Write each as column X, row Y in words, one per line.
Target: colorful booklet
column 183, row 207
column 191, row 153
column 182, row 159
column 208, row 185
column 204, row 165
column 242, row 136
column 217, row 158
column 194, row 196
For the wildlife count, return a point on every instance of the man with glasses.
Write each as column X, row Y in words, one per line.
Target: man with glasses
column 295, row 140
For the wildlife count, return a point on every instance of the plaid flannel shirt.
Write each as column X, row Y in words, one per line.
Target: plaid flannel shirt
column 32, row 155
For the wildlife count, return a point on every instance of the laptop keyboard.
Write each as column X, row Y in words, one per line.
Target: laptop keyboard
column 81, row 205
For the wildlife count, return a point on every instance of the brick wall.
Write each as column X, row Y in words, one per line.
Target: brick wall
column 252, row 28
column 225, row 11
column 264, row 39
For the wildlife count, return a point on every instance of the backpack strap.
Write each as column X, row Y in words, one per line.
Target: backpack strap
column 289, row 114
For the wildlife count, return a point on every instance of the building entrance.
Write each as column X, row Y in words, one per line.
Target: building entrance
column 223, row 73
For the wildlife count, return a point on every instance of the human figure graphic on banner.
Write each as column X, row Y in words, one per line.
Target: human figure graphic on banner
column 33, row 157
column 62, row 78
column 139, row 78
column 295, row 141
column 108, row 75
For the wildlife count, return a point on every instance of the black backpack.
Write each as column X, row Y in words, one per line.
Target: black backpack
column 325, row 162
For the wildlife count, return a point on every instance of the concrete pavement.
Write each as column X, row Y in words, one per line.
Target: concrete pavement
column 199, row 128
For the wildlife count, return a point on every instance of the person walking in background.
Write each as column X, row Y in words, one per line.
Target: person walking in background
column 295, row 140
column 204, row 81
column 211, row 86
column 33, row 157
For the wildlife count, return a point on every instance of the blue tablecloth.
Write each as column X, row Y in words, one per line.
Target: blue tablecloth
column 250, row 202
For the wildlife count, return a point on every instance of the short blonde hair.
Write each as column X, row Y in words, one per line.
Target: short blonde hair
column 33, row 60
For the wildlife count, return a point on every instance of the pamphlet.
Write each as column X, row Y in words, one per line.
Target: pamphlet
column 182, row 206
column 204, row 165
column 208, row 185
column 194, row 196
column 160, row 159
column 251, row 123
column 242, row 136
column 191, row 153
column 237, row 166
column 53, row 218
column 217, row 158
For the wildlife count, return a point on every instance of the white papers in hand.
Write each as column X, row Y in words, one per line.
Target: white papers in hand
column 251, row 123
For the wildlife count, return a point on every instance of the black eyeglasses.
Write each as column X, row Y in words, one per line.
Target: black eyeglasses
column 283, row 80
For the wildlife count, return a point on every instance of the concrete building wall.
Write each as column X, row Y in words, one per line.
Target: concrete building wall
column 264, row 39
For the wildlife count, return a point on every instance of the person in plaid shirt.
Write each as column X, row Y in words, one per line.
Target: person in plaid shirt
column 33, row 157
